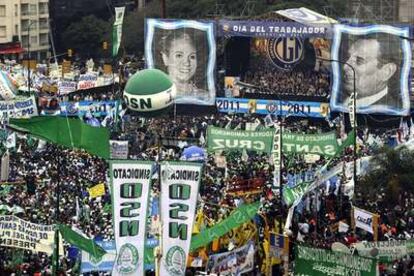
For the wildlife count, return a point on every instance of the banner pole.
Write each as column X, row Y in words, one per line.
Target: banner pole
column 375, row 225
column 57, row 191
column 158, row 249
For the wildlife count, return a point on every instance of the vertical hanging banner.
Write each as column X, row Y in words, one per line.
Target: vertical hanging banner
column 277, row 156
column 117, row 29
column 179, row 189
column 130, row 181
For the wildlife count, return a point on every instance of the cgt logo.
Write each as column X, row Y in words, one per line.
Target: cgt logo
column 367, row 221
column 285, row 52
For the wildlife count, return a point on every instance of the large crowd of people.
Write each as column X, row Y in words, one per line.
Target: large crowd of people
column 40, row 174
column 270, row 81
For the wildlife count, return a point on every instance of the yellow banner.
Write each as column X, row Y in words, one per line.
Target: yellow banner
column 97, row 190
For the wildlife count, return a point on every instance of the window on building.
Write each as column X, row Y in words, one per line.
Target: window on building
column 33, row 9
column 16, row 10
column 16, row 29
column 24, row 9
column 25, row 25
column 43, row 8
column 2, row 10
column 25, row 41
column 43, row 24
column 33, row 39
column 3, row 31
column 43, row 39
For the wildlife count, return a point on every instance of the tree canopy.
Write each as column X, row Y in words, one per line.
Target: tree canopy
column 86, row 36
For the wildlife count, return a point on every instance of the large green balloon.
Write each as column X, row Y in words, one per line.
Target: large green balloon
column 149, row 92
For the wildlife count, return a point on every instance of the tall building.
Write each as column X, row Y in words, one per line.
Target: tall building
column 24, row 28
column 374, row 11
column 406, row 11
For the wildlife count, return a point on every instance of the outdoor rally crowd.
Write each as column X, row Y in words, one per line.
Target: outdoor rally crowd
column 39, row 167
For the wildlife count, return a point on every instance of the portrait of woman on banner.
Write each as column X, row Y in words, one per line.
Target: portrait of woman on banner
column 184, row 54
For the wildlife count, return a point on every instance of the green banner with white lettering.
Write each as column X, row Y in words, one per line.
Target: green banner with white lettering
column 322, row 143
column 318, row 262
column 386, row 251
column 262, row 141
column 239, row 216
column 228, row 139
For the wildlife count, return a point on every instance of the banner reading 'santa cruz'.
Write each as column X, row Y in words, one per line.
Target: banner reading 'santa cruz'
column 130, row 193
column 179, row 190
column 261, row 141
column 18, row 233
column 316, row 262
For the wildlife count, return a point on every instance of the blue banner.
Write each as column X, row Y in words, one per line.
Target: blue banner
column 269, row 29
column 106, row 263
column 95, row 108
column 265, row 107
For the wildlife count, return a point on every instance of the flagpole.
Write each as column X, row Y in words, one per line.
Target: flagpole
column 158, row 249
column 57, row 191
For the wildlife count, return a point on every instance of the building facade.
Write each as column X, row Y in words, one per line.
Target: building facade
column 24, row 23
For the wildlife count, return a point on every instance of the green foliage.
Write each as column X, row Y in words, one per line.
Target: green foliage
column 392, row 176
column 87, row 35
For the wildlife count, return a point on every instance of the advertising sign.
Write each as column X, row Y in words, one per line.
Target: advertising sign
column 18, row 233
column 227, row 139
column 87, row 81
column 186, row 51
column 118, row 149
column 268, row 29
column 265, row 107
column 130, row 192
column 66, row 87
column 236, row 262
column 385, row 251
column 96, row 109
column 19, row 108
column 179, row 190
column 317, row 262
column 382, row 72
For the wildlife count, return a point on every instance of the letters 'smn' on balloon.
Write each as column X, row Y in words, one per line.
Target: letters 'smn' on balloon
column 149, row 91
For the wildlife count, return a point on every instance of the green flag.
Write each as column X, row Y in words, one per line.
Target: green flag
column 237, row 218
column 117, row 29
column 72, row 133
column 81, row 242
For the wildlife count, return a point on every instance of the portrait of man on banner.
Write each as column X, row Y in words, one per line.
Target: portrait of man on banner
column 381, row 60
column 186, row 51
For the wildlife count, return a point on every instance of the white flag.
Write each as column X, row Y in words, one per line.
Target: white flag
column 364, row 220
column 11, row 141
column 5, row 160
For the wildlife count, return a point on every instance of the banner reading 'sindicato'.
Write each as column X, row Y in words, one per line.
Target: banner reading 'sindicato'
column 130, row 192
column 318, row 262
column 179, row 189
column 15, row 232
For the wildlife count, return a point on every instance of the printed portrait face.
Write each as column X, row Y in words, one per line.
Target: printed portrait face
column 372, row 74
column 381, row 60
column 181, row 59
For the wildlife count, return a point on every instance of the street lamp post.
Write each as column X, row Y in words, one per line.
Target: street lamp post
column 29, row 82
column 354, row 119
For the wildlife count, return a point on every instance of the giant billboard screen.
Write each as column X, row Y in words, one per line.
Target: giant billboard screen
column 186, row 51
column 381, row 60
